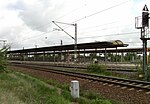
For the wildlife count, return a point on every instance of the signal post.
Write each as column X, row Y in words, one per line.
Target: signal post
column 144, row 37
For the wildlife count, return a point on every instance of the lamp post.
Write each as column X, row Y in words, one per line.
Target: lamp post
column 74, row 38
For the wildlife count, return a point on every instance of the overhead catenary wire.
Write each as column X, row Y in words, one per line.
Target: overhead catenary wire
column 41, row 26
column 38, row 27
column 52, row 31
column 90, row 27
column 103, row 29
column 70, row 12
column 81, row 18
column 33, row 37
column 49, row 22
column 120, row 34
column 90, row 15
column 100, row 11
column 110, row 35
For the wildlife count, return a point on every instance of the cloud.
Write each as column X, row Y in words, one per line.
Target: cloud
column 39, row 14
column 21, row 21
column 25, row 23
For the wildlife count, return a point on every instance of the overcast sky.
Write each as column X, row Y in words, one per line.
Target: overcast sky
column 28, row 23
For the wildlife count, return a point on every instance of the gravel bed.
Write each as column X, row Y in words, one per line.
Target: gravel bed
column 113, row 92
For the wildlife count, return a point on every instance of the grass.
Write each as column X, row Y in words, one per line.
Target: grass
column 100, row 69
column 87, row 97
column 18, row 88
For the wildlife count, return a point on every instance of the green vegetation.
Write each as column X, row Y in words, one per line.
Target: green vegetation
column 87, row 97
column 128, row 57
column 98, row 68
column 93, row 98
column 3, row 58
column 148, row 74
column 102, row 70
column 141, row 73
column 18, row 88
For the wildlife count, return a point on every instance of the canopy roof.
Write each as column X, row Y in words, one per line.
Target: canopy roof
column 92, row 45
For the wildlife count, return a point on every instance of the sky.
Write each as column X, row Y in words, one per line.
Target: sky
column 28, row 23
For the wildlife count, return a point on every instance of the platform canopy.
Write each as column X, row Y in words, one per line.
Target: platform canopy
column 92, row 45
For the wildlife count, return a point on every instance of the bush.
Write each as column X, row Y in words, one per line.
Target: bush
column 3, row 58
column 148, row 73
column 141, row 74
column 96, row 68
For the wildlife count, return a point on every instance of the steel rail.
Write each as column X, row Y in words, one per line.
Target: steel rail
column 99, row 78
column 114, row 68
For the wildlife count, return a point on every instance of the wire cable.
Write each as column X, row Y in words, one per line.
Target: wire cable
column 110, row 35
column 101, row 11
column 78, row 19
column 98, row 12
column 32, row 37
column 74, row 10
column 104, row 29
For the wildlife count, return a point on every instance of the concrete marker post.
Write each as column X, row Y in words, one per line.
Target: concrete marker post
column 75, row 89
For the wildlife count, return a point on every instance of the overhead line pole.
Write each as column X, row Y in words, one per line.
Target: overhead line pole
column 62, row 28
column 74, row 38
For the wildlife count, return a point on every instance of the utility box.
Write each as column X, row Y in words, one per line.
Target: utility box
column 75, row 89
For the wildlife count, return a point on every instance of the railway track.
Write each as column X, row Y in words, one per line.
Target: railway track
column 80, row 67
column 139, row 85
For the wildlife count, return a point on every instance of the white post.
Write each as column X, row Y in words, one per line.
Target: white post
column 75, row 89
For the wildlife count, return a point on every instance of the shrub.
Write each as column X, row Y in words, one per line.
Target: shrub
column 141, row 74
column 3, row 58
column 148, row 73
column 96, row 68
